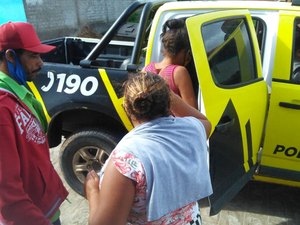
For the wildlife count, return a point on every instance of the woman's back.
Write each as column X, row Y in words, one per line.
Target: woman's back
column 172, row 169
column 167, row 73
column 158, row 171
column 177, row 54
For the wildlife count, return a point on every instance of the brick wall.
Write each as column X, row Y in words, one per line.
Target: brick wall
column 58, row 18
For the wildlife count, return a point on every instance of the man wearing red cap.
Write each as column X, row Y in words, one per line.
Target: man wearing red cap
column 31, row 191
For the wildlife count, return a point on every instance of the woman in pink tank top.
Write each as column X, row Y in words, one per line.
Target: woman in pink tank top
column 177, row 54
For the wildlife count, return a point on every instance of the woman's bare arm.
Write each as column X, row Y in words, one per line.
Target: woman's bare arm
column 111, row 204
column 180, row 108
column 184, row 83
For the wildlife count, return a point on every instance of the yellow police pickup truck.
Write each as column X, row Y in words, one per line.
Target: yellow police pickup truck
column 246, row 77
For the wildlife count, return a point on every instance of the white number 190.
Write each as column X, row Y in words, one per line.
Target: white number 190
column 71, row 84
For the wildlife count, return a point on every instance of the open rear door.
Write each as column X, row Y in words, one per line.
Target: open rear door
column 227, row 60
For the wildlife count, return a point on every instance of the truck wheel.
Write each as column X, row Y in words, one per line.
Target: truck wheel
column 82, row 152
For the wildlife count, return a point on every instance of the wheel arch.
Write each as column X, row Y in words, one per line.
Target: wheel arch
column 71, row 121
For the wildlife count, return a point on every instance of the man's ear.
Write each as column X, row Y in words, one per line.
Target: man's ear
column 10, row 55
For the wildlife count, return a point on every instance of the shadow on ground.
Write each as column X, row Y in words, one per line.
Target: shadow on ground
column 259, row 203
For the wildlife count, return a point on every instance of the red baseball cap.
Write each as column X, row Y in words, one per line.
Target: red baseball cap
column 21, row 35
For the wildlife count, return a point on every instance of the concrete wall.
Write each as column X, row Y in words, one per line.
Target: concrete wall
column 56, row 18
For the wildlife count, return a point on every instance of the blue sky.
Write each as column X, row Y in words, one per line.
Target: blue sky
column 12, row 10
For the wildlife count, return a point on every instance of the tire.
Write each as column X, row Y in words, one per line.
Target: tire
column 82, row 152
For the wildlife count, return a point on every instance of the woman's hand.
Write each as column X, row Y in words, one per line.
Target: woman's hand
column 91, row 185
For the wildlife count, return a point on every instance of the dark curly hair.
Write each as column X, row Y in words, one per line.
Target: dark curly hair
column 146, row 96
column 174, row 36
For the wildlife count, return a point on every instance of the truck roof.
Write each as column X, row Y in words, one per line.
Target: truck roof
column 260, row 5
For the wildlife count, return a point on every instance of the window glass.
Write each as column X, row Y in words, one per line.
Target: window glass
column 128, row 31
column 295, row 76
column 260, row 29
column 119, row 50
column 229, row 51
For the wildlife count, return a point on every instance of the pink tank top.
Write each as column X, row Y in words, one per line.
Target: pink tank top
column 167, row 73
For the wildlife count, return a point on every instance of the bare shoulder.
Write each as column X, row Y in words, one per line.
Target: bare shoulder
column 180, row 73
column 181, row 69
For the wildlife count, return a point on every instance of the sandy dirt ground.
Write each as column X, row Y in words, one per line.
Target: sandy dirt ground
column 75, row 210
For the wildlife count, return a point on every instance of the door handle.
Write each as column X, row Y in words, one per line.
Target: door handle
column 224, row 126
column 289, row 105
